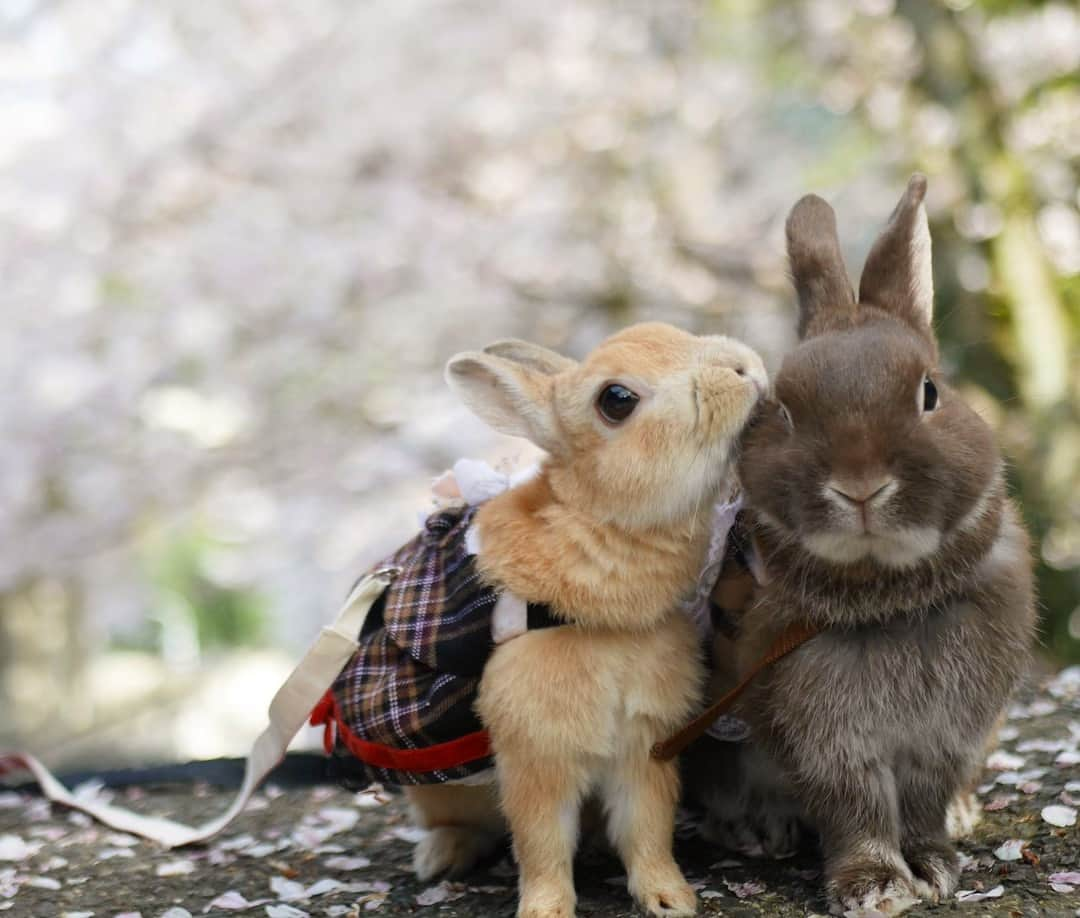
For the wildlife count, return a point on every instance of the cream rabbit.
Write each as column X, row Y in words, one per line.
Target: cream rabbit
column 609, row 535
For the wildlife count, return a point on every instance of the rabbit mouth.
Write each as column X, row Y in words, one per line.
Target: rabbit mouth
column 898, row 547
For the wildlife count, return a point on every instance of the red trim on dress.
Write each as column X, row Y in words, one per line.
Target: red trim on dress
column 441, row 756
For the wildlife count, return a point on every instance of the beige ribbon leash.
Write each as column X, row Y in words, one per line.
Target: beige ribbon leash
column 289, row 711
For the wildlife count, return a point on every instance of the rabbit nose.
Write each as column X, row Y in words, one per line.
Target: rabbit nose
column 863, row 490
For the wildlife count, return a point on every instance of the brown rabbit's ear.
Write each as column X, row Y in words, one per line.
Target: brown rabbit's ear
column 531, row 355
column 511, row 397
column 826, row 299
column 898, row 275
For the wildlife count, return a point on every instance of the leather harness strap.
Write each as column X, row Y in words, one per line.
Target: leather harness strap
column 791, row 638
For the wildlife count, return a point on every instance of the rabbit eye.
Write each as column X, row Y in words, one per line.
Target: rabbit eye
column 616, row 403
column 929, row 395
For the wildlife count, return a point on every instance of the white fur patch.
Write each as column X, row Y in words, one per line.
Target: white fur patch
column 896, row 548
column 963, row 815
column 975, row 515
column 569, row 822
column 1007, row 549
column 509, row 618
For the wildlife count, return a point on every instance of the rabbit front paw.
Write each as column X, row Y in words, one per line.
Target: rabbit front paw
column 450, row 850
column 963, row 815
column 547, row 901
column 871, row 885
column 663, row 892
column 936, row 869
column 774, row 831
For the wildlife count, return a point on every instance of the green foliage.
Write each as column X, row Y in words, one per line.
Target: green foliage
column 195, row 606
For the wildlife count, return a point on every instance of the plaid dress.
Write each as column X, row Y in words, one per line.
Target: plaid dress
column 401, row 711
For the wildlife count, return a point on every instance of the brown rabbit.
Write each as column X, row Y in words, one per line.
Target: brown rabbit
column 609, row 535
column 878, row 506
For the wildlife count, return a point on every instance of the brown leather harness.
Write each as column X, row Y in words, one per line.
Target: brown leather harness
column 791, row 638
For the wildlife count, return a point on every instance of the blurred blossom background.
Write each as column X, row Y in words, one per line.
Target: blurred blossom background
column 238, row 242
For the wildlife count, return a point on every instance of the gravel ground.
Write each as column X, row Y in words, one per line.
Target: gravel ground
column 324, row 851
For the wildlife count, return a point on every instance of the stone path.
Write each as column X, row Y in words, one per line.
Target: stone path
column 324, row 851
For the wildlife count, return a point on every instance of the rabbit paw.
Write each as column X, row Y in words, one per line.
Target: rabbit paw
column 664, row 893
column 871, row 886
column 772, row 829
column 453, row 850
column 963, row 815
column 935, row 867
column 547, row 903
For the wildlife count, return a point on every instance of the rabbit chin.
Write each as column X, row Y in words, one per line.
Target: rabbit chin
column 901, row 547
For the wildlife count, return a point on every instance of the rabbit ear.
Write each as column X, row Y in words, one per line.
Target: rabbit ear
column 826, row 299
column 898, row 275
column 513, row 398
column 530, row 355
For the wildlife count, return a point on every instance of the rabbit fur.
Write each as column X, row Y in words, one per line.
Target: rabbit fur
column 878, row 506
column 610, row 535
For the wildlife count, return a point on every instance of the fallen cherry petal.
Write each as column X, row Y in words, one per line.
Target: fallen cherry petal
column 286, row 890
column 1012, row 850
column 1071, row 877
column 107, row 854
column 444, row 892
column 339, row 818
column 744, row 890
column 236, row 842
column 1000, row 802
column 1001, row 760
column 409, row 834
column 13, row 848
column 233, row 900
column 347, row 863
column 372, row 797
column 1057, row 815
column 1043, row 745
column 367, row 886
column 1012, row 778
column 176, row 912
column 319, row 887
column 971, row 895
column 285, row 911
column 175, row 868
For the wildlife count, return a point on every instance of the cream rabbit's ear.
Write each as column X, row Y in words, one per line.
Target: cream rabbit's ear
column 511, row 397
column 531, row 355
column 826, row 299
column 898, row 275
